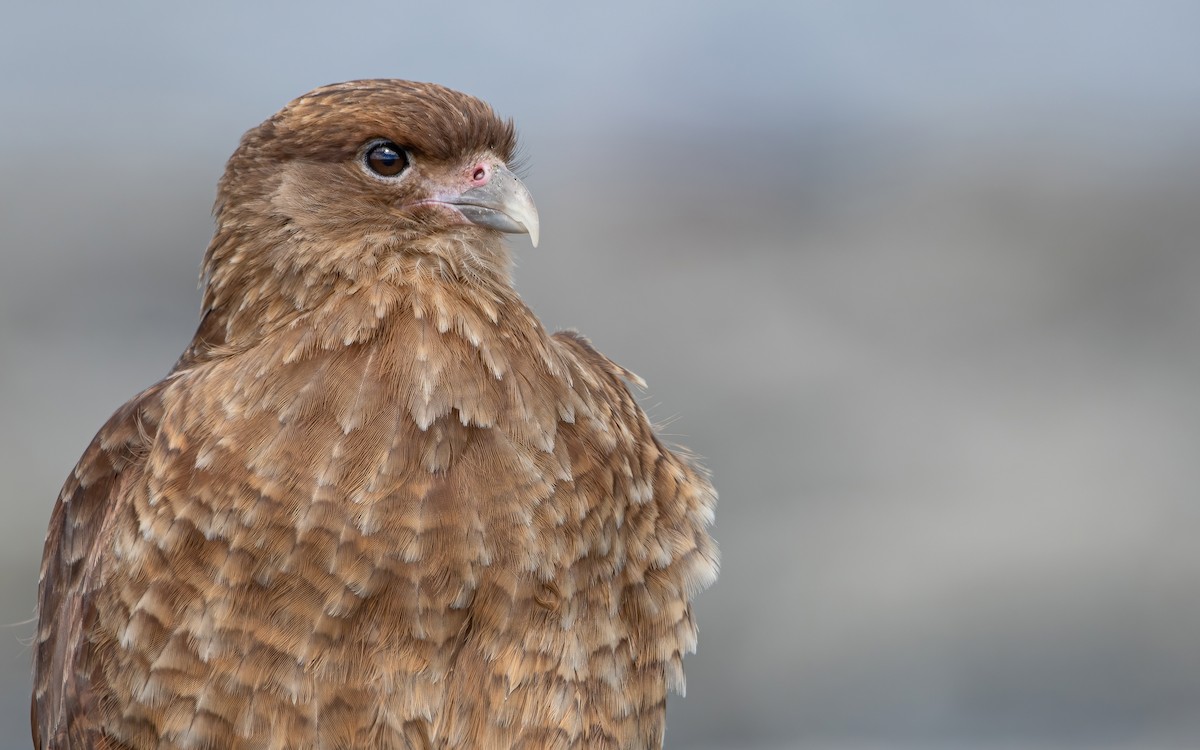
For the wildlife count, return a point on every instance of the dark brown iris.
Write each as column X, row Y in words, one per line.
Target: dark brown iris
column 387, row 159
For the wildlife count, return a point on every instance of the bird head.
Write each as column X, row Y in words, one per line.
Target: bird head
column 347, row 178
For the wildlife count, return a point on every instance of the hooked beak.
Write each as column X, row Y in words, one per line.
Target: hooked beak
column 504, row 203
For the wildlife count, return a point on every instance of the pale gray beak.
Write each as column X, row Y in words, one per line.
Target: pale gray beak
column 504, row 203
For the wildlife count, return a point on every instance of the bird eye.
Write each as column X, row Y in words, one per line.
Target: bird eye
column 386, row 159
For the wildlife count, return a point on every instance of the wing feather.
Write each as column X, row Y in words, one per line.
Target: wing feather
column 67, row 679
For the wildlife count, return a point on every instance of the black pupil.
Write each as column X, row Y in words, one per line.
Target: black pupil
column 386, row 159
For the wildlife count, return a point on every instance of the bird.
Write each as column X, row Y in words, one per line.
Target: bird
column 375, row 503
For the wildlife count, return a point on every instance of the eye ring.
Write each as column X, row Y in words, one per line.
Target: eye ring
column 385, row 158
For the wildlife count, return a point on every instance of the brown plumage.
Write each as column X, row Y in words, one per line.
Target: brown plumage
column 375, row 504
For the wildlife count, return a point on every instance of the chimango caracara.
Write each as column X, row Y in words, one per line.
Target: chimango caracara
column 375, row 504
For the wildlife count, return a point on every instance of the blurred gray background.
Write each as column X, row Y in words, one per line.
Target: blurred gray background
column 917, row 280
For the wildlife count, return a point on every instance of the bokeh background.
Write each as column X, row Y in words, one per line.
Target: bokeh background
column 918, row 280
